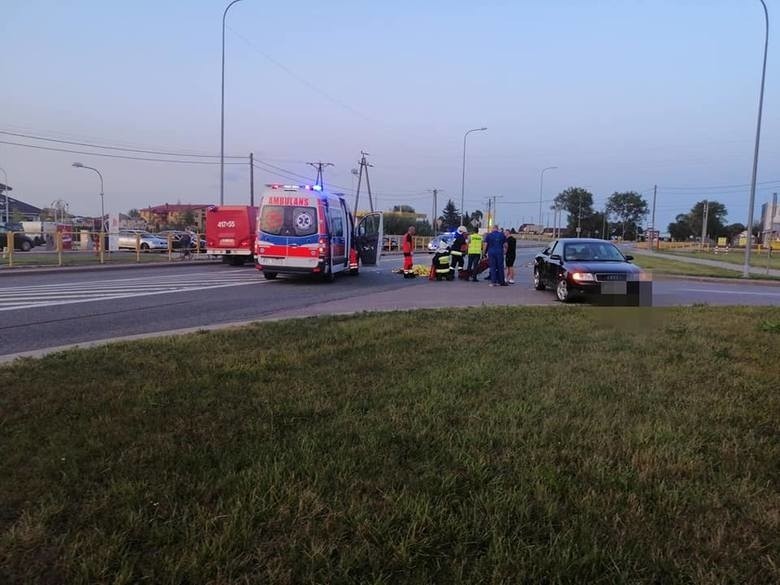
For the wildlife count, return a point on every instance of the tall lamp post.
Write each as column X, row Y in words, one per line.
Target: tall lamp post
column 79, row 165
column 463, row 176
column 6, row 189
column 748, row 243
column 222, row 118
column 541, row 187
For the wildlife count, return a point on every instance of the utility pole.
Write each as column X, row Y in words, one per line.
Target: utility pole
column 493, row 208
column 652, row 231
column 251, row 179
column 319, row 165
column 364, row 165
column 435, row 193
column 705, row 218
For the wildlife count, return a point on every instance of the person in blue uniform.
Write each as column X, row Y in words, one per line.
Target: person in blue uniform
column 495, row 245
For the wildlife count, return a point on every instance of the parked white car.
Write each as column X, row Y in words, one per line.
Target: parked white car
column 148, row 242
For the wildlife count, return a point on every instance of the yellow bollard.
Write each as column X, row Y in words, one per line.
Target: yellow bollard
column 138, row 248
column 10, row 248
column 102, row 245
column 170, row 249
column 58, row 241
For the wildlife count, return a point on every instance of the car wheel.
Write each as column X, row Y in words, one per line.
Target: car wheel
column 26, row 246
column 144, row 247
column 538, row 282
column 562, row 291
column 269, row 275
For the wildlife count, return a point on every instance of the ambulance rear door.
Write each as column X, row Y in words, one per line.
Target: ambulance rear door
column 368, row 238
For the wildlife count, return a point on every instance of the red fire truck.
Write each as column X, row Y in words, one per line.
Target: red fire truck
column 230, row 232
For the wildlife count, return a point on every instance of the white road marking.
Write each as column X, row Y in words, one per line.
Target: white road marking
column 47, row 295
column 732, row 292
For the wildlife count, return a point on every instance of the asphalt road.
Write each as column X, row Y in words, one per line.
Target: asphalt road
column 40, row 311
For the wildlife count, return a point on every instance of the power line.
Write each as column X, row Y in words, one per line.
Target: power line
column 108, row 147
column 120, row 156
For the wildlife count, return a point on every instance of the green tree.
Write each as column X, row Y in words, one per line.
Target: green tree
column 578, row 203
column 680, row 229
column 732, row 230
column 134, row 214
column 629, row 208
column 450, row 217
column 403, row 209
column 690, row 224
column 187, row 219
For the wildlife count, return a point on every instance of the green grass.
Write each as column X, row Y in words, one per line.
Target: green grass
column 735, row 257
column 680, row 267
column 502, row 445
column 84, row 258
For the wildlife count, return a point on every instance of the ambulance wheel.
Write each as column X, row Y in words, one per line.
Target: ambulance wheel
column 327, row 274
column 269, row 275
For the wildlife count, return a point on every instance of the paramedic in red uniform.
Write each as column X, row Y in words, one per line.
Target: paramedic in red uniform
column 408, row 250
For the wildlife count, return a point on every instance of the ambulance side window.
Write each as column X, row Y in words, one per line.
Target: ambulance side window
column 336, row 223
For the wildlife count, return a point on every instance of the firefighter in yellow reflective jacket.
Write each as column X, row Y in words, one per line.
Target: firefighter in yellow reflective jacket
column 475, row 254
column 441, row 263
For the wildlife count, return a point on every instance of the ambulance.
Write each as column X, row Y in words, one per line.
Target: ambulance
column 302, row 229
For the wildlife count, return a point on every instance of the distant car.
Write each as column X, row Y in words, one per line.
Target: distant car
column 177, row 237
column 22, row 242
column 390, row 244
column 433, row 245
column 589, row 268
column 148, row 242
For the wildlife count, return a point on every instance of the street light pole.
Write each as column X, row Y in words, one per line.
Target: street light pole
column 463, row 176
column 79, row 165
column 222, row 118
column 748, row 243
column 541, row 186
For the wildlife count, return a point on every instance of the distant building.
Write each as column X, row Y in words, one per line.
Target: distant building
column 161, row 216
column 18, row 209
column 770, row 219
column 131, row 223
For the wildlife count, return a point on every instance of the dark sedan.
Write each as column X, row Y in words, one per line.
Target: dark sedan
column 597, row 269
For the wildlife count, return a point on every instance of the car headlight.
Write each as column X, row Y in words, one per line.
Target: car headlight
column 583, row 277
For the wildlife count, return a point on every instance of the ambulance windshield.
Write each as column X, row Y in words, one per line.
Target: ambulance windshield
column 281, row 220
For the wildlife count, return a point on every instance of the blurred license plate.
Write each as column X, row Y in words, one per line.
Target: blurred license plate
column 613, row 288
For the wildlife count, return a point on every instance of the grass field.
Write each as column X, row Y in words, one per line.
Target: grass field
column 682, row 268
column 736, row 257
column 502, row 445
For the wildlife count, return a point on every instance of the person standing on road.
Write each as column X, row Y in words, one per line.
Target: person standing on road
column 475, row 254
column 511, row 252
column 458, row 250
column 185, row 242
column 408, row 250
column 495, row 245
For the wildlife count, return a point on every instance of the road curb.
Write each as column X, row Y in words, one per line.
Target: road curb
column 43, row 352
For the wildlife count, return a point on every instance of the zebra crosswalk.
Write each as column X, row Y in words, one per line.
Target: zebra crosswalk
column 46, row 295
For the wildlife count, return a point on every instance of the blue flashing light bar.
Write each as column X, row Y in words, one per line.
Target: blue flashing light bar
column 296, row 187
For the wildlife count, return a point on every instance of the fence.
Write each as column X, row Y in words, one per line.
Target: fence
column 89, row 247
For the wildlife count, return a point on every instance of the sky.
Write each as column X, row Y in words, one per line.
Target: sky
column 617, row 94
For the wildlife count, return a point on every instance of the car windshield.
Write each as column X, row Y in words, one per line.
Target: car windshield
column 592, row 252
